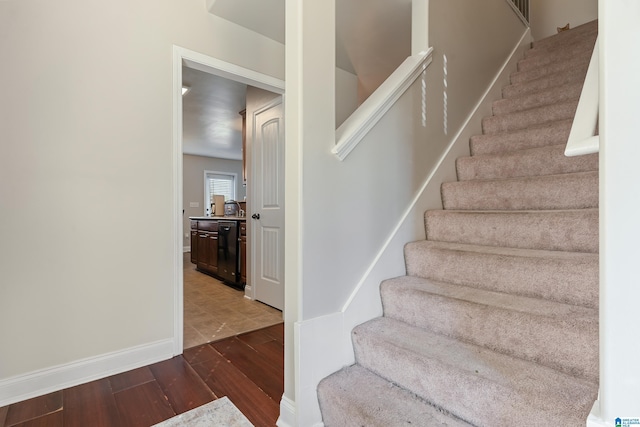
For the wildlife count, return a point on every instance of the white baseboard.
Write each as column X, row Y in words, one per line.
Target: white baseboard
column 186, row 249
column 287, row 416
column 38, row 383
column 594, row 419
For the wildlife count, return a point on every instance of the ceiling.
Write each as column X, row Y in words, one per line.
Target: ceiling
column 211, row 125
column 372, row 38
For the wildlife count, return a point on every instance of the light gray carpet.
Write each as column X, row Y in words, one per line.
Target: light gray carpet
column 496, row 321
column 220, row 412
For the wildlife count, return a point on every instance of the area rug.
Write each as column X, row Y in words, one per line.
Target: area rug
column 220, row 412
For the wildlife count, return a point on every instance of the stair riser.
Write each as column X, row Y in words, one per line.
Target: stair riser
column 546, row 97
column 555, row 231
column 534, row 162
column 551, row 134
column 528, row 118
column 569, row 280
column 551, row 81
column 553, row 68
column 570, row 191
column 568, row 345
column 476, row 400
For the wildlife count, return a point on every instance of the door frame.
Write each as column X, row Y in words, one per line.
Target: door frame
column 207, row 64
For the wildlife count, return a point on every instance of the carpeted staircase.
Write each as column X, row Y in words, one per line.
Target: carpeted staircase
column 496, row 321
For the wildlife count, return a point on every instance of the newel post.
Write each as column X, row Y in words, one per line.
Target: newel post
column 419, row 26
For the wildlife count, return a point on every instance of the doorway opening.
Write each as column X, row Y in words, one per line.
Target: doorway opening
column 206, row 309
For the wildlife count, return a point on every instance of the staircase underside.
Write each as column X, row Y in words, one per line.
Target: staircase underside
column 496, row 321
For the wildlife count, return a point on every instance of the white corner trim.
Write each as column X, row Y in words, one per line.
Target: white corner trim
column 352, row 130
column 38, row 383
column 505, row 69
column 287, row 416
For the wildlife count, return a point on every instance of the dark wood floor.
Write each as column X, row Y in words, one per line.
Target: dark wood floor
column 248, row 369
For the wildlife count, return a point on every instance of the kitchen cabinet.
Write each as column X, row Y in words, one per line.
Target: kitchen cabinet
column 243, row 252
column 211, row 251
column 204, row 239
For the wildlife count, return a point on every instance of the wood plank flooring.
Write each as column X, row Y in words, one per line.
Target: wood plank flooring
column 248, row 369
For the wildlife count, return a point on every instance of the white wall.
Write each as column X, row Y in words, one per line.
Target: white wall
column 87, row 251
column 547, row 15
column 619, row 205
column 193, row 168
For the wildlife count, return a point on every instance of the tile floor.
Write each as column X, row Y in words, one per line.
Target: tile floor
column 213, row 310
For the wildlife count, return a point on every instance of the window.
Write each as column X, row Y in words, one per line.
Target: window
column 219, row 183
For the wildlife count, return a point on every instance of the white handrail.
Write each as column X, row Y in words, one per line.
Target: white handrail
column 351, row 132
column 582, row 138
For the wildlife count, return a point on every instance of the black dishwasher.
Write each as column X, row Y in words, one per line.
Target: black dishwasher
column 228, row 251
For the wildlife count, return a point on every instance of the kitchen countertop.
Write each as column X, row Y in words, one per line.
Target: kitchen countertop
column 228, row 218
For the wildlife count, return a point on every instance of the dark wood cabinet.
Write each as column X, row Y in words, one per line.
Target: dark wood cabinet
column 243, row 252
column 204, row 245
column 203, row 250
column 207, row 250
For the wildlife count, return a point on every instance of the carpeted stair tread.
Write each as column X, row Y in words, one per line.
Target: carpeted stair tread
column 574, row 230
column 556, row 80
column 565, row 277
column 552, row 68
column 535, row 61
column 556, row 335
column 582, row 32
column 549, row 160
column 542, row 98
column 564, row 191
column 568, row 47
column 355, row 396
column 480, row 386
column 532, row 117
column 551, row 133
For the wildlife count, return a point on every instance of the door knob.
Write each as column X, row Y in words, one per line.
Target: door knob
column 255, row 216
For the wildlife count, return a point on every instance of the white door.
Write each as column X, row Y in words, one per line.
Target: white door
column 267, row 214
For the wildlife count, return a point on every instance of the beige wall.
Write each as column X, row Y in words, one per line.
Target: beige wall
column 193, row 168
column 346, row 95
column 87, row 249
column 548, row 15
